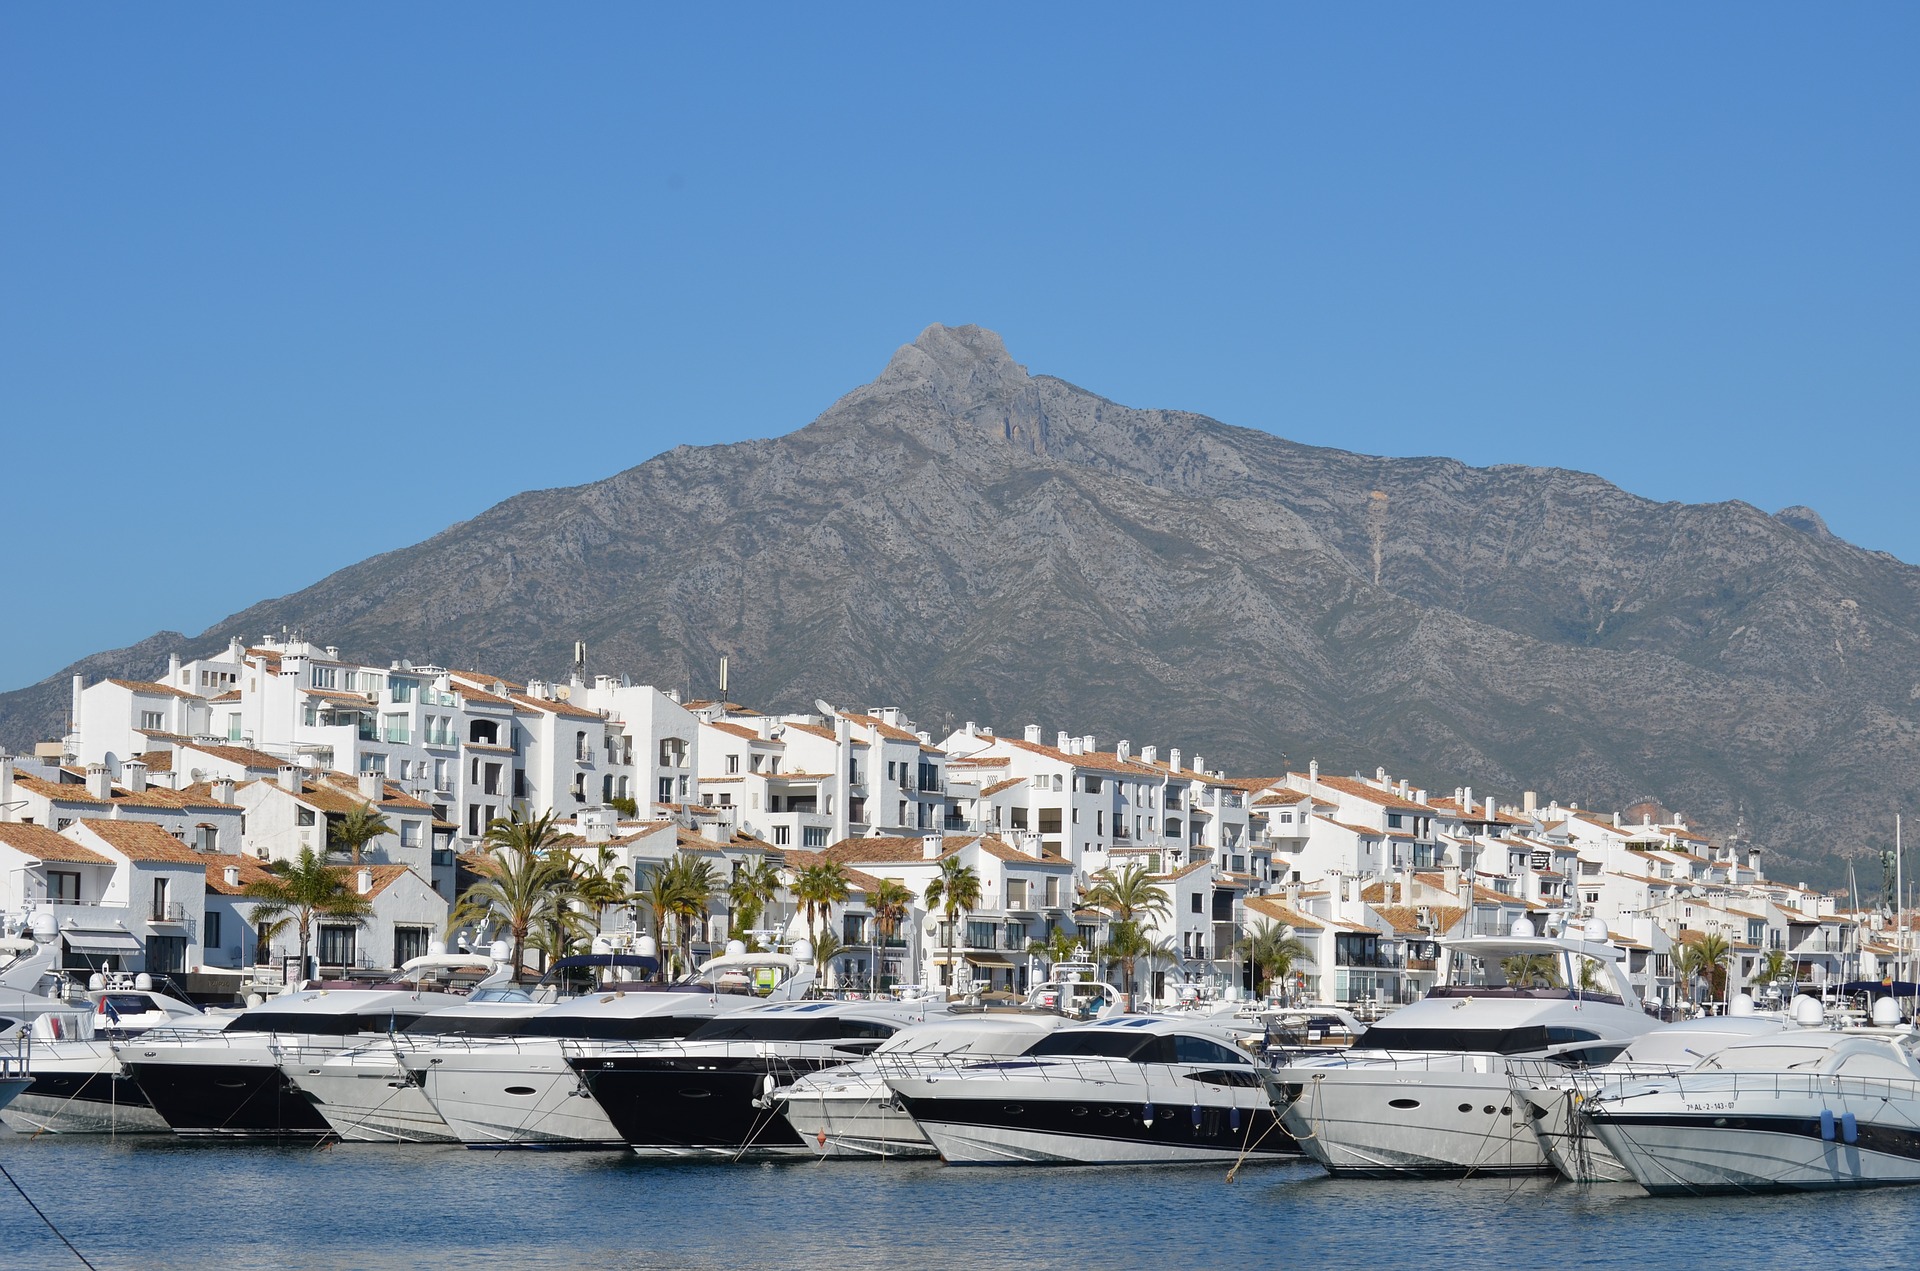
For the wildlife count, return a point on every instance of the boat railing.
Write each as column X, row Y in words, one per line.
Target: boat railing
column 16, row 1056
column 1706, row 1086
column 934, row 1068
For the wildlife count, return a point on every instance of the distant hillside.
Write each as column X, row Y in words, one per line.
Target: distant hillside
column 972, row 542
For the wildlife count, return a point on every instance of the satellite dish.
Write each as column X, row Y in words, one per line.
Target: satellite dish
column 824, row 708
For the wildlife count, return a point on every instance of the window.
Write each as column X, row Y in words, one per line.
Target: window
column 371, row 761
column 409, row 833
column 782, row 836
column 1053, row 893
column 582, row 749
column 1016, row 893
column 310, row 715
column 213, row 929
column 205, row 838
column 323, row 677
column 1196, row 902
column 161, row 887
column 1049, row 820
column 398, row 731
column 410, row 943
column 1395, row 820
column 733, row 764
column 305, row 816
column 813, row 836
column 666, row 790
column 440, row 775
column 152, row 720
column 337, row 945
column 672, row 752
column 234, row 732
column 402, row 690
column 63, row 888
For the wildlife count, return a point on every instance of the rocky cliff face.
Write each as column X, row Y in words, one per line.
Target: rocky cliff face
column 973, row 542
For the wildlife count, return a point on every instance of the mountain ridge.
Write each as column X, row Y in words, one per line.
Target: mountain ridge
column 970, row 540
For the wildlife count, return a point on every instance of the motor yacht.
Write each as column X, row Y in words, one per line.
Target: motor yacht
column 849, row 1111
column 514, row 1087
column 709, row 1094
column 1806, row 1110
column 1553, row 1095
column 227, row 1082
column 79, row 1084
column 1133, row 1089
column 1427, row 1092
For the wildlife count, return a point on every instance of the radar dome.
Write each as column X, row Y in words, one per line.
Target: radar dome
column 96, row 982
column 1522, row 928
column 45, row 925
column 1596, row 929
column 1807, row 1010
column 736, row 947
column 803, row 950
column 1886, row 1012
column 436, row 948
column 500, row 951
column 143, row 981
column 1742, row 1004
column 646, row 947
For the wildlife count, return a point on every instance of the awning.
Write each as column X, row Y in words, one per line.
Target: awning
column 987, row 959
column 101, row 942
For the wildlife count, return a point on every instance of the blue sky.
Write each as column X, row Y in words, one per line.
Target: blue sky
column 286, row 286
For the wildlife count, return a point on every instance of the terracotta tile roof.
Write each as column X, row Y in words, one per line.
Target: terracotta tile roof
column 1253, row 785
column 62, row 791
column 1361, row 790
column 1093, row 759
column 907, row 850
column 251, row 871
column 486, row 682
column 1405, row 919
column 555, row 707
column 1279, row 798
column 148, row 686
column 1182, row 872
column 998, row 786
column 1357, row 829
column 158, row 760
column 857, row 879
column 231, row 695
column 249, row 758
column 43, row 844
column 881, row 726
column 1275, row 909
column 143, row 841
column 815, row 730
column 990, row 761
column 738, row 730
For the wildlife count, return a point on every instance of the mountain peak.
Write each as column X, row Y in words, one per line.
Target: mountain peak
column 967, row 375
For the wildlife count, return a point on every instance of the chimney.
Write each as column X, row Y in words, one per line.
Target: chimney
column 1380, row 775
column 363, row 882
column 1089, row 744
column 1450, row 877
column 1616, row 820
column 715, row 832
column 79, row 684
column 596, row 824
column 973, row 729
column 931, row 845
column 1313, row 771
column 99, row 781
column 223, row 789
column 333, row 651
column 289, row 778
column 1466, row 801
column 1173, row 759
column 1529, row 802
column 173, row 669
column 1199, row 764
column 232, row 875
column 1420, row 796
column 1061, row 741
column 766, row 728
column 1149, row 755
column 6, row 786
column 1123, row 751
column 1030, row 843
column 373, row 786
column 134, row 773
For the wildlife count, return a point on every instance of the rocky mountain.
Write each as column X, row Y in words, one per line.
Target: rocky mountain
column 974, row 542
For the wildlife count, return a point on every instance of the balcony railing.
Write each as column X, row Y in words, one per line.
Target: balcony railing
column 168, row 911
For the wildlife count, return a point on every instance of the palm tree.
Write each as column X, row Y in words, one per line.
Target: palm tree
column 359, row 827
column 1776, row 964
column 1126, row 898
column 527, row 881
column 1524, row 967
column 1706, row 959
column 600, row 884
column 957, row 888
column 695, row 881
column 1059, row 946
column 1272, row 948
column 306, row 890
column 818, row 888
column 753, row 888
column 891, row 902
column 826, row 950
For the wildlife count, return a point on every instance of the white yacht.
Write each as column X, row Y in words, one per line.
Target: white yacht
column 709, row 1094
column 227, row 1083
column 1553, row 1096
column 1129, row 1090
column 1427, row 1091
column 79, row 1084
column 515, row 1088
column 849, row 1111
column 1807, row 1110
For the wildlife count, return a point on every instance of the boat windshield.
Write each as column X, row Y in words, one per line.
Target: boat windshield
column 784, row 1028
column 1179, row 1048
column 1529, row 1039
column 1543, row 972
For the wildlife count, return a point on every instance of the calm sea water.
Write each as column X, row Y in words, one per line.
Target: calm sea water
column 156, row 1203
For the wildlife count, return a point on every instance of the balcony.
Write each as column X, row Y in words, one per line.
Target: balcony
column 1380, row 959
column 168, row 911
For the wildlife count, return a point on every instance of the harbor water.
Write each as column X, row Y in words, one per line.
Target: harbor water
column 156, row 1203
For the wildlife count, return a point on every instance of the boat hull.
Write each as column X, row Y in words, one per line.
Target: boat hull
column 228, row 1100
column 370, row 1099
column 857, row 1120
column 1746, row 1144
column 675, row 1106
column 87, row 1093
column 1388, row 1121
column 513, row 1095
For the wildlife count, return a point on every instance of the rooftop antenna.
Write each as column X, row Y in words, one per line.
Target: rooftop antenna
column 580, row 657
